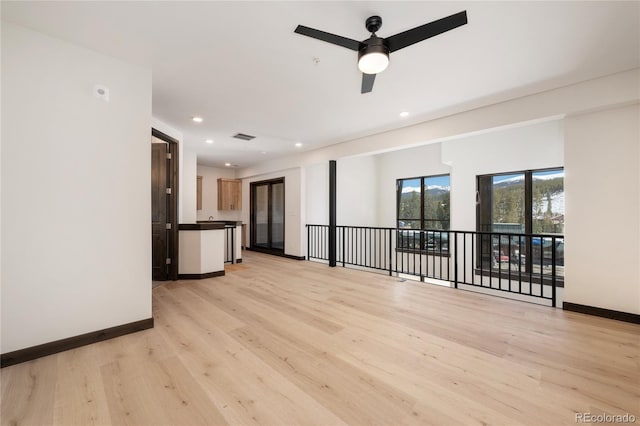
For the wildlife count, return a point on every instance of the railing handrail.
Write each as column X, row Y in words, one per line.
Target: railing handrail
column 531, row 235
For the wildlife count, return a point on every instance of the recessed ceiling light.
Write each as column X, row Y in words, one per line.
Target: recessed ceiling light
column 298, row 144
column 264, row 153
column 209, row 141
column 227, row 164
column 197, row 119
column 404, row 114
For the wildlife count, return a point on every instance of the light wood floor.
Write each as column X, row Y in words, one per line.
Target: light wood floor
column 284, row 342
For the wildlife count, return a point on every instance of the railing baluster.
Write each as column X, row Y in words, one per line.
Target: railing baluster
column 426, row 258
column 542, row 264
column 422, row 251
column 553, row 271
column 343, row 246
column 499, row 255
column 377, row 245
column 368, row 247
column 481, row 251
column 391, row 266
column 474, row 241
column 352, row 260
column 440, row 252
column 519, row 263
column 414, row 258
column 510, row 257
column 455, row 260
column 464, row 258
column 390, row 253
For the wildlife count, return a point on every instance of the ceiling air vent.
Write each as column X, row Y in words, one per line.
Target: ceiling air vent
column 243, row 136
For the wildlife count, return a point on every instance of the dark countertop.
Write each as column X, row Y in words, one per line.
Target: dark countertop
column 201, row 226
column 224, row 222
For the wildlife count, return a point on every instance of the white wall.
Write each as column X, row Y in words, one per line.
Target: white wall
column 534, row 146
column 367, row 184
column 615, row 89
column 188, row 186
column 357, row 191
column 317, row 194
column 406, row 163
column 602, row 187
column 294, row 225
column 210, row 177
column 76, row 173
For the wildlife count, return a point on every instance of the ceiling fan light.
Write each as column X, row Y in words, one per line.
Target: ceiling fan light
column 373, row 63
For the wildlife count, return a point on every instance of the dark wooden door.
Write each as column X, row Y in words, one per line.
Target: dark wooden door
column 159, row 210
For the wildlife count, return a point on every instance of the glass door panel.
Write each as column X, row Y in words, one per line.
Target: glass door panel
column 261, row 212
column 277, row 216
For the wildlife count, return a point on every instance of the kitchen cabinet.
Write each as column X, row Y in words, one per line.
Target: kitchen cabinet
column 229, row 194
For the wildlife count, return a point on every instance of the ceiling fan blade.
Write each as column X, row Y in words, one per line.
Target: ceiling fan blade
column 328, row 37
column 423, row 32
column 367, row 82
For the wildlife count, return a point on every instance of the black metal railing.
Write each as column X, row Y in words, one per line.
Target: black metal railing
column 365, row 247
column 230, row 244
column 530, row 265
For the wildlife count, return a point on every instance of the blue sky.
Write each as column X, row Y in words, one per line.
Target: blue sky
column 439, row 180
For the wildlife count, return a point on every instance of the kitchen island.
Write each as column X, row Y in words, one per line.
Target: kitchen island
column 201, row 250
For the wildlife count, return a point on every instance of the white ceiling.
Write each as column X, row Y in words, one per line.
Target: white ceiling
column 241, row 67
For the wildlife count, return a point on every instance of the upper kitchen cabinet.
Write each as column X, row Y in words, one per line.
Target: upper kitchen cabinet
column 229, row 194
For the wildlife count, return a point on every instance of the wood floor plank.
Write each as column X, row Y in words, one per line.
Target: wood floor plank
column 258, row 396
column 154, row 393
column 284, row 342
column 28, row 392
column 294, row 311
column 353, row 395
column 79, row 395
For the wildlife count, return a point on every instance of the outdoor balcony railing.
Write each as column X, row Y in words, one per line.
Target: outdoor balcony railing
column 529, row 265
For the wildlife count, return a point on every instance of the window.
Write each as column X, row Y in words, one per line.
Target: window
column 528, row 202
column 423, row 204
column 547, row 207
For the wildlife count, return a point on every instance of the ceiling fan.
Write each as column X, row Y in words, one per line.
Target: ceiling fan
column 373, row 53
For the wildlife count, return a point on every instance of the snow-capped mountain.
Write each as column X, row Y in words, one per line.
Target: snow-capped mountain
column 435, row 188
column 520, row 179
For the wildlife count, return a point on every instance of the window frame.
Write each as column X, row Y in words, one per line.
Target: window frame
column 437, row 251
column 528, row 196
column 528, row 219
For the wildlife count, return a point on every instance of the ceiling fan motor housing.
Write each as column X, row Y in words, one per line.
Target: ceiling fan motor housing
column 373, row 55
column 373, row 45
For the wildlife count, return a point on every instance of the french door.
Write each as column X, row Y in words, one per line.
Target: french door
column 267, row 215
